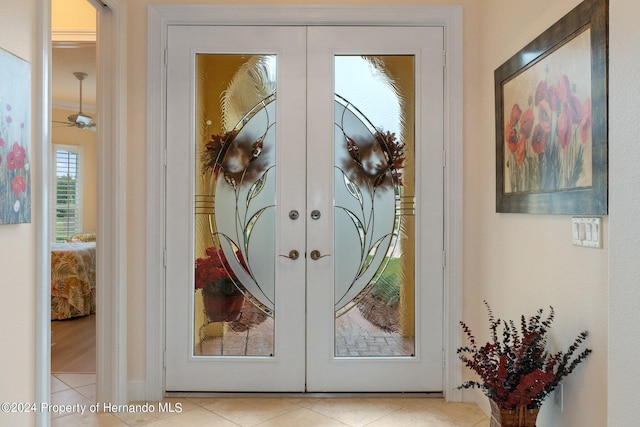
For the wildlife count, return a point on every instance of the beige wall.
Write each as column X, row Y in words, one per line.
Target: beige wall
column 520, row 263
column 17, row 264
column 624, row 205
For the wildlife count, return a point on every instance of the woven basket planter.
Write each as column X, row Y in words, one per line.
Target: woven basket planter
column 520, row 417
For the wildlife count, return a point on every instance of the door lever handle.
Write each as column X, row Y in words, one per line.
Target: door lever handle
column 293, row 254
column 316, row 255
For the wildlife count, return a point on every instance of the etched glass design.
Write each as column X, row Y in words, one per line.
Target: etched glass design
column 235, row 199
column 374, row 204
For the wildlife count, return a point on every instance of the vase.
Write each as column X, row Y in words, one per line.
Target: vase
column 223, row 308
column 519, row 417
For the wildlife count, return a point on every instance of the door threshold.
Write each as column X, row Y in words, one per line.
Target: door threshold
column 313, row 395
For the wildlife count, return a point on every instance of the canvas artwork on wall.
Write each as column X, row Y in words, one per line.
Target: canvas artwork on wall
column 551, row 119
column 15, row 136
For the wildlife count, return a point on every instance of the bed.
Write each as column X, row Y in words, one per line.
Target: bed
column 73, row 279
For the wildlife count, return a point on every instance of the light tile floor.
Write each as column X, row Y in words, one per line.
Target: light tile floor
column 264, row 411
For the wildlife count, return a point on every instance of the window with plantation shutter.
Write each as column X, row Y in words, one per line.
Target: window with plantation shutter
column 67, row 192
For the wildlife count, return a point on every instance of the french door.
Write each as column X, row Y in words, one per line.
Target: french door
column 304, row 209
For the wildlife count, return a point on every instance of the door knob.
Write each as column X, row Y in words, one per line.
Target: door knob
column 316, row 255
column 293, row 254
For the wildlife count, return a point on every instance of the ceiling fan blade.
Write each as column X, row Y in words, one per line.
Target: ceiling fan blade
column 80, row 120
column 68, row 124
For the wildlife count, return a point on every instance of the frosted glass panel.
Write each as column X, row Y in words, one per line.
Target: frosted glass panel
column 235, row 174
column 374, row 292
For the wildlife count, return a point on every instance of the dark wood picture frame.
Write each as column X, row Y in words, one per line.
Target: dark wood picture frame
column 551, row 119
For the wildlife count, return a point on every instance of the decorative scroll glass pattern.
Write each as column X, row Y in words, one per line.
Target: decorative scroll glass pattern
column 374, row 292
column 235, row 178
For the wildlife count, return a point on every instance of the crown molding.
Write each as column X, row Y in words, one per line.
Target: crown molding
column 69, row 37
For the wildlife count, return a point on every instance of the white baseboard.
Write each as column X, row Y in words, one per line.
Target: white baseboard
column 137, row 391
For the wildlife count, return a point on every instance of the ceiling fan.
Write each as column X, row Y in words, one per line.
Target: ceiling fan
column 80, row 120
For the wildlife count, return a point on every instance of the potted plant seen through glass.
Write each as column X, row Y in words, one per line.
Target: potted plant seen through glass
column 222, row 294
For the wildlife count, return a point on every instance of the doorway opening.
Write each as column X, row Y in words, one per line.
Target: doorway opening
column 111, row 372
column 314, row 209
column 74, row 199
column 161, row 17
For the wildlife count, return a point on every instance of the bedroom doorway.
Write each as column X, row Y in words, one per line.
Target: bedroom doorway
column 338, row 196
column 111, row 254
column 74, row 189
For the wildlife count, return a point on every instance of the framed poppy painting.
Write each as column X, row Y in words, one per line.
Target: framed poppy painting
column 15, row 135
column 551, row 119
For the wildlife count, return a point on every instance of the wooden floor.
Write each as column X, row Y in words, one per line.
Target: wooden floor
column 73, row 345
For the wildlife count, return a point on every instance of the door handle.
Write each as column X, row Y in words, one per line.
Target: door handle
column 293, row 255
column 316, row 255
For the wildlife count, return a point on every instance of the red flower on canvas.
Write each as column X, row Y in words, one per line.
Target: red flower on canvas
column 521, row 150
column 544, row 115
column 16, row 157
column 526, row 123
column 539, row 138
column 18, row 185
column 512, row 138
column 564, row 128
column 541, row 92
column 564, row 90
column 516, row 112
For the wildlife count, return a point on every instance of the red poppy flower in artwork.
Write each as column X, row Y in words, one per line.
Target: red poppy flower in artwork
column 516, row 112
column 18, row 185
column 564, row 89
column 541, row 92
column 544, row 115
column 564, row 128
column 585, row 122
column 554, row 99
column 526, row 123
column 521, row 150
column 16, row 157
column 511, row 138
column 576, row 110
column 539, row 138
column 1, row 142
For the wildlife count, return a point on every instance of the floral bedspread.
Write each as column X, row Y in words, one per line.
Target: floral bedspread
column 73, row 279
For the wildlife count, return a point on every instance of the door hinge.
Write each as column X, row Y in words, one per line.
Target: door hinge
column 164, row 258
column 444, row 359
column 444, row 58
column 164, row 358
column 444, row 159
column 166, row 57
column 444, row 259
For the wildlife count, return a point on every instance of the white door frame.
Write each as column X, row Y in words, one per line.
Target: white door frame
column 161, row 16
column 111, row 338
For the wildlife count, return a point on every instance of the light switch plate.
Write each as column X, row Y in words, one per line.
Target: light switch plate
column 586, row 231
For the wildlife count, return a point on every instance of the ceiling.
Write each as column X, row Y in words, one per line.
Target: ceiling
column 65, row 60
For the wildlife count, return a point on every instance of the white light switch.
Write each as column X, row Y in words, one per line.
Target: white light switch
column 587, row 231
